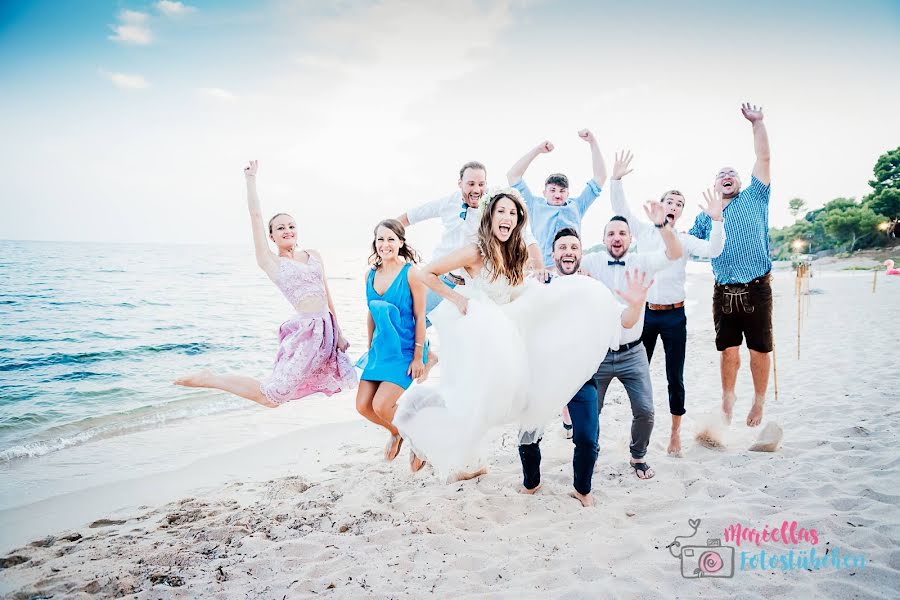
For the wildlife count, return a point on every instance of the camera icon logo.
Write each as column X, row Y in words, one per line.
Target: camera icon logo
column 711, row 560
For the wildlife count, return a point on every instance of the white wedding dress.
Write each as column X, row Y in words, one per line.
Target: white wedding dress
column 517, row 356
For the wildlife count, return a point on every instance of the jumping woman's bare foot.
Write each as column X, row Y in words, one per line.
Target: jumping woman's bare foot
column 587, row 500
column 415, row 463
column 198, row 379
column 393, row 447
column 533, row 490
column 466, row 475
column 433, row 360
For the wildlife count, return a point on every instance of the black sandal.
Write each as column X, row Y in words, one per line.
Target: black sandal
column 643, row 468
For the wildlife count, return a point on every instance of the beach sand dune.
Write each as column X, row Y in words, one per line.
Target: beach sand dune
column 361, row 528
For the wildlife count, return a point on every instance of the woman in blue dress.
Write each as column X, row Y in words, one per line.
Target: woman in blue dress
column 396, row 326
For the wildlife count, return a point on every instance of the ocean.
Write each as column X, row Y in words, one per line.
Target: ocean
column 92, row 335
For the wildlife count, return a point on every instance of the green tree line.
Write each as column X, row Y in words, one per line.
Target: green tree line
column 845, row 224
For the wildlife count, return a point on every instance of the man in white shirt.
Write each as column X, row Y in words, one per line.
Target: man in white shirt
column 665, row 315
column 628, row 363
column 460, row 216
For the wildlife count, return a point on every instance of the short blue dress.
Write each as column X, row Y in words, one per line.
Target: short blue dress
column 394, row 340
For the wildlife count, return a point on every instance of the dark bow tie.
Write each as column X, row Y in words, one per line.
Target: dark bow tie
column 616, row 262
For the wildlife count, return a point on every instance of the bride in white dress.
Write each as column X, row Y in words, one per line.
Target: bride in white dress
column 513, row 350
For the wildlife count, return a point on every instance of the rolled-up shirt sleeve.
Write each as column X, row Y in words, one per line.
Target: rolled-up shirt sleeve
column 584, row 200
column 429, row 210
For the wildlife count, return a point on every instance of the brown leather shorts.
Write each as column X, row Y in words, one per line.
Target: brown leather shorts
column 744, row 310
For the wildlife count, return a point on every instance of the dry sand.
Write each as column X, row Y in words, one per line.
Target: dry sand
column 352, row 526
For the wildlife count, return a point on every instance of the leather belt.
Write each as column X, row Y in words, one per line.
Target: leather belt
column 628, row 346
column 652, row 306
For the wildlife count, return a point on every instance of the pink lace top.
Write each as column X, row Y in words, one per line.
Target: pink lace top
column 302, row 284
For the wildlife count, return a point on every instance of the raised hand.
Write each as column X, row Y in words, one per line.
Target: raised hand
column 250, row 170
column 587, row 136
column 620, row 167
column 545, row 147
column 655, row 212
column 713, row 206
column 636, row 286
column 751, row 112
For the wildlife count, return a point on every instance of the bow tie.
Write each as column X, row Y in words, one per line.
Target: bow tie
column 616, row 262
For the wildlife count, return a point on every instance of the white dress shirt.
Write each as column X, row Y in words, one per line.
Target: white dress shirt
column 668, row 287
column 457, row 231
column 613, row 276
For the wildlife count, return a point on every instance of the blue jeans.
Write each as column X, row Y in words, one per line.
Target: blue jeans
column 432, row 299
column 671, row 326
column 585, row 413
column 633, row 370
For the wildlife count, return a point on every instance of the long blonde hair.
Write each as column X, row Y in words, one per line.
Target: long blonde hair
column 504, row 258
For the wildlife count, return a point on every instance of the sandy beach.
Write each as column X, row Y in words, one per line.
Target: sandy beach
column 319, row 514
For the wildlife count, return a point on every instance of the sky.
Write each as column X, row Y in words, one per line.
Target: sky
column 130, row 121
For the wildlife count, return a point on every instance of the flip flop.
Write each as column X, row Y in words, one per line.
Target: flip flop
column 643, row 468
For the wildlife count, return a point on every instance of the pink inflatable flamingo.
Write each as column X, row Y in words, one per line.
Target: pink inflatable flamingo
column 890, row 268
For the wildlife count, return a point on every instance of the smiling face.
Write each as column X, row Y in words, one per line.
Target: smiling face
column 567, row 254
column 673, row 202
column 283, row 231
column 504, row 219
column 617, row 237
column 472, row 185
column 728, row 182
column 387, row 243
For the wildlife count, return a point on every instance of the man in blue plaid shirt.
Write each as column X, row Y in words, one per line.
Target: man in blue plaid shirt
column 742, row 298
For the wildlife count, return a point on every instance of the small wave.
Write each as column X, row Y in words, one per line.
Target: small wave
column 79, row 375
column 96, row 428
column 8, row 302
column 81, row 358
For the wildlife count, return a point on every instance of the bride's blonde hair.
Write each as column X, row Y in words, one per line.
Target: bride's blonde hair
column 504, row 258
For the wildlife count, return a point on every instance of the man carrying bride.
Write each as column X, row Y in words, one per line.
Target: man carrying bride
column 584, row 406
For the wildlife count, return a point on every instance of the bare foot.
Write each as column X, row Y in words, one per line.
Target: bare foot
column 728, row 399
column 642, row 469
column 466, row 475
column 393, row 447
column 754, row 417
column 198, row 379
column 675, row 444
column 586, row 499
column 533, row 490
column 415, row 463
column 433, row 360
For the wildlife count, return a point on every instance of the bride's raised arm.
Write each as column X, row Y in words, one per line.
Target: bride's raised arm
column 467, row 257
column 265, row 258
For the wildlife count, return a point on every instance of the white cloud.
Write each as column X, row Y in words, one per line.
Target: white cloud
column 217, row 93
column 132, row 28
column 174, row 9
column 126, row 81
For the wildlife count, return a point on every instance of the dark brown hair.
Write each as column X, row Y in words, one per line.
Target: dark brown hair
column 504, row 258
column 406, row 251
column 565, row 232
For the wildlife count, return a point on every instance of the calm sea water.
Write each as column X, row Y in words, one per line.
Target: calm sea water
column 92, row 335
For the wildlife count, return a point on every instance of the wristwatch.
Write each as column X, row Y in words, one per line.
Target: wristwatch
column 661, row 225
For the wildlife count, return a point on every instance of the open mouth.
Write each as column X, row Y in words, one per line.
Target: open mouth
column 670, row 217
column 504, row 228
column 568, row 261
